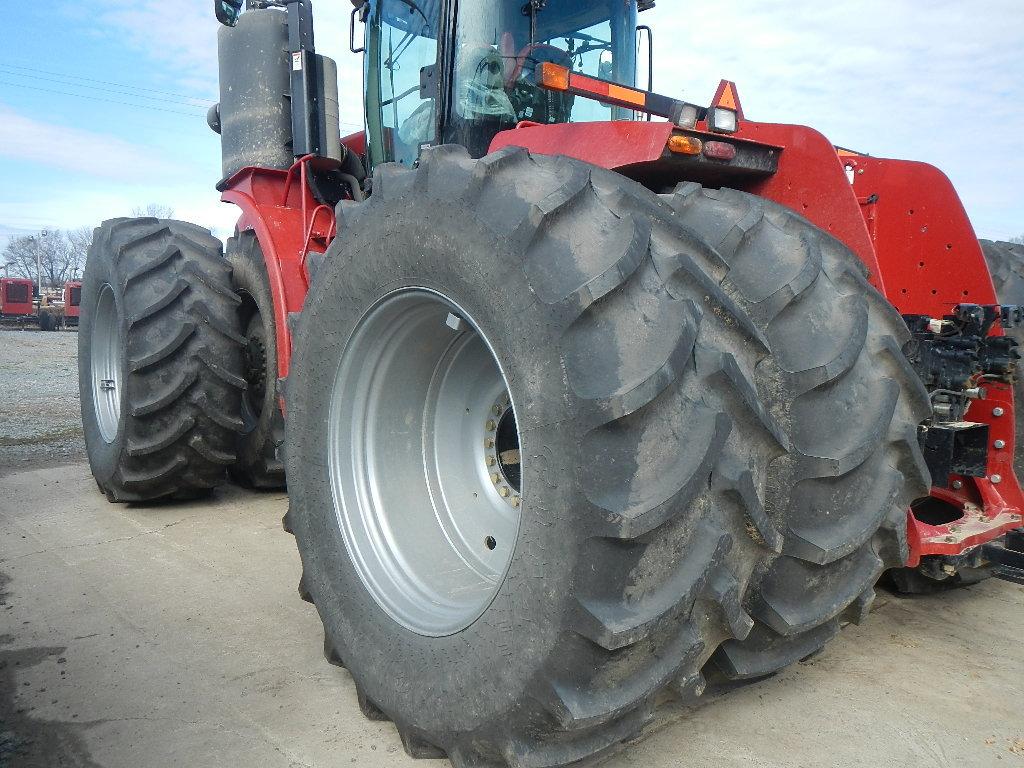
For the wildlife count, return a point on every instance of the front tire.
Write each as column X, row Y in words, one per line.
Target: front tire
column 716, row 427
column 160, row 360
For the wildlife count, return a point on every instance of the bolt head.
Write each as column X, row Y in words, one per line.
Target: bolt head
column 997, row 411
column 958, row 484
column 1000, row 443
column 453, row 321
column 491, row 426
column 504, row 492
column 949, row 570
column 996, row 478
column 489, row 442
column 495, row 478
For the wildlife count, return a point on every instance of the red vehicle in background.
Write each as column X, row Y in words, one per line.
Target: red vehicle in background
column 16, row 299
column 72, row 302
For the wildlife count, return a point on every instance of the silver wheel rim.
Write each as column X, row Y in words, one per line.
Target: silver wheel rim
column 105, row 359
column 423, row 455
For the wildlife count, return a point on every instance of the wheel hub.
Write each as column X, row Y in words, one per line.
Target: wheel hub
column 423, row 453
column 106, row 362
column 256, row 370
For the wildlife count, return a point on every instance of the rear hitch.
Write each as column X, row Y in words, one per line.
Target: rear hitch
column 1007, row 557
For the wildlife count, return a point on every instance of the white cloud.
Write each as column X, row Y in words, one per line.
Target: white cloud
column 74, row 150
column 181, row 35
column 940, row 84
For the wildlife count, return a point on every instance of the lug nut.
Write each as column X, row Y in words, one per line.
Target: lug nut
column 491, row 461
column 504, row 492
column 996, row 478
column 496, row 478
column 997, row 411
column 515, row 501
column 1000, row 443
column 489, row 442
column 491, row 426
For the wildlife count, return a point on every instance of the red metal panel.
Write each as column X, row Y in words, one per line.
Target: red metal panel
column 278, row 206
column 925, row 243
column 607, row 145
column 356, row 142
column 932, row 261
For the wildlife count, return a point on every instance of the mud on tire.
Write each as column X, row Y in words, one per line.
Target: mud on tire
column 160, row 360
column 718, row 432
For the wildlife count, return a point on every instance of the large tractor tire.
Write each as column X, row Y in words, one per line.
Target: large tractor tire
column 259, row 445
column 1006, row 264
column 159, row 360
column 556, row 444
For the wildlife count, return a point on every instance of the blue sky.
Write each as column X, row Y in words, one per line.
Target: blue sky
column 102, row 104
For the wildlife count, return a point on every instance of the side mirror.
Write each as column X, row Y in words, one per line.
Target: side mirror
column 227, row 11
column 606, row 67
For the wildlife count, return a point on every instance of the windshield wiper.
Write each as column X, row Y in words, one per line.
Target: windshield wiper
column 531, row 9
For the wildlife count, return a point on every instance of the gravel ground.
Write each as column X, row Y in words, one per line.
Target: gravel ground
column 40, row 423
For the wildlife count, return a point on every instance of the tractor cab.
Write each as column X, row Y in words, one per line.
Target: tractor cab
column 436, row 73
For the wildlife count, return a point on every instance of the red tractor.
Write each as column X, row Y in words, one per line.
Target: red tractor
column 577, row 406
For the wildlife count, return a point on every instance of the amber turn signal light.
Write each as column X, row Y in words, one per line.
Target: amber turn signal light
column 554, row 77
column 685, row 145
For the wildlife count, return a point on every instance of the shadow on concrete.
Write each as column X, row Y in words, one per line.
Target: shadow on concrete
column 27, row 742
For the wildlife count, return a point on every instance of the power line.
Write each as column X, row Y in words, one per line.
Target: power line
column 104, row 82
column 34, row 70
column 187, row 102
column 99, row 98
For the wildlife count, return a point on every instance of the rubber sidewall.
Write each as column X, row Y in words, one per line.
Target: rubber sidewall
column 104, row 457
column 400, row 670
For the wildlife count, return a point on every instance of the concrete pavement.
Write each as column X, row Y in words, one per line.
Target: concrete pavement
column 139, row 637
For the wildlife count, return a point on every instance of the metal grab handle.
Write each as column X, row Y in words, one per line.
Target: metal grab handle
column 359, row 11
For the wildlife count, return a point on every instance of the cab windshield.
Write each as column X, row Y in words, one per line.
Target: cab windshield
column 499, row 45
column 496, row 49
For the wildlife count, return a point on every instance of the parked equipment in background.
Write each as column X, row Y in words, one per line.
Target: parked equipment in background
column 72, row 302
column 16, row 306
column 577, row 407
column 21, row 307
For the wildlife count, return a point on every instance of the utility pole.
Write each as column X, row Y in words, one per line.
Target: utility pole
column 39, row 266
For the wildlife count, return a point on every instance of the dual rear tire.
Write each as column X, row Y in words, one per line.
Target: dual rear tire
column 160, row 360
column 715, row 434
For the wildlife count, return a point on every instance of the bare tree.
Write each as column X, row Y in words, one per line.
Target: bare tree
column 60, row 255
column 1018, row 239
column 153, row 210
